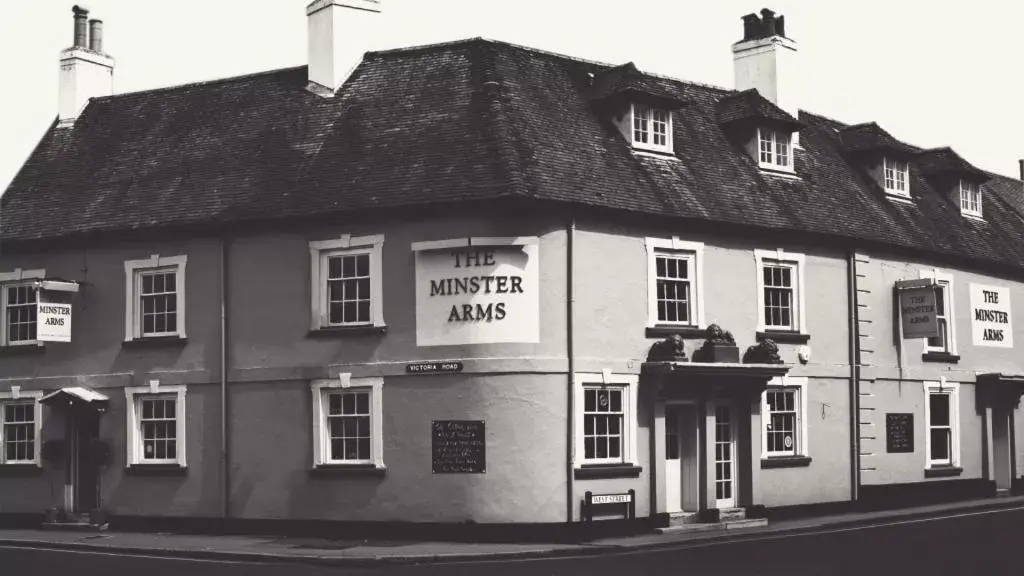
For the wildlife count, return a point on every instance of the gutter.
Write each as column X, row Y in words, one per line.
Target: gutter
column 851, row 272
column 570, row 429
column 224, row 429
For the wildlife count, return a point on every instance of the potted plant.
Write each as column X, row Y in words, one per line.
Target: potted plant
column 719, row 346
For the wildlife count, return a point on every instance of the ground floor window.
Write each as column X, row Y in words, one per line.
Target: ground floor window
column 156, row 425
column 347, row 421
column 19, row 428
column 605, row 418
column 942, row 416
column 783, row 408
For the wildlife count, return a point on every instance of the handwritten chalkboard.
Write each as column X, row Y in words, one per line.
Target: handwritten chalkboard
column 899, row 432
column 459, row 446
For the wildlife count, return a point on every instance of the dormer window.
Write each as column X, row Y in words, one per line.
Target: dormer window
column 774, row 149
column 970, row 198
column 652, row 128
column 896, row 174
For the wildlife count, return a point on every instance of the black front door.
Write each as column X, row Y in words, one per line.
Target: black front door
column 86, row 429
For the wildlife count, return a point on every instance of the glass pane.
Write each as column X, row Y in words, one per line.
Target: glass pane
column 940, row 444
column 363, row 403
column 363, row 265
column 939, row 406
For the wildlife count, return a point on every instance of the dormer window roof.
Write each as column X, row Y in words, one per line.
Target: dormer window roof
column 752, row 116
column 871, row 137
column 640, row 105
column 949, row 171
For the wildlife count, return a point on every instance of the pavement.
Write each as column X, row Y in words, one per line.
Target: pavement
column 360, row 553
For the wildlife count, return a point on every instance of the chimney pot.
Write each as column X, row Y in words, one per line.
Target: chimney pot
column 96, row 35
column 780, row 25
column 81, row 32
column 1021, row 162
column 768, row 23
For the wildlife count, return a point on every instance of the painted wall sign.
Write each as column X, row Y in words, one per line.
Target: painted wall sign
column 53, row 322
column 477, row 294
column 899, row 433
column 458, row 446
column 991, row 322
column 433, row 367
column 917, row 309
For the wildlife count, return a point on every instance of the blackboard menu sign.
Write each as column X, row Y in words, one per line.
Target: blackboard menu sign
column 458, row 446
column 899, row 432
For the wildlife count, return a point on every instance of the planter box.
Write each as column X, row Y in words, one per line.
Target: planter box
column 729, row 353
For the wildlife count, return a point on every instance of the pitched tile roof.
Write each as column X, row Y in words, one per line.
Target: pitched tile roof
column 749, row 105
column 470, row 120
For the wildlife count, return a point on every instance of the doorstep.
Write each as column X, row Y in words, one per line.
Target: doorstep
column 713, row 526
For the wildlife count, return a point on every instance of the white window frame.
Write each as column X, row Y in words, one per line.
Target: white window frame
column 798, row 384
column 18, row 277
column 133, row 433
column 343, row 383
column 694, row 252
column 795, row 261
column 606, row 379
column 945, row 280
column 953, row 390
column 346, row 245
column 647, row 112
column 898, row 167
column 968, row 189
column 21, row 397
column 133, row 271
column 773, row 137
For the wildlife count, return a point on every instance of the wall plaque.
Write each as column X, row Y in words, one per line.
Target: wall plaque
column 458, row 446
column 899, row 433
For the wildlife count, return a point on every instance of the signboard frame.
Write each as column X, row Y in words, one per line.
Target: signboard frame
column 443, row 443
column 899, row 432
column 916, row 304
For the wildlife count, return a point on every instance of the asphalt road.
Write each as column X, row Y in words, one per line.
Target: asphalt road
column 975, row 544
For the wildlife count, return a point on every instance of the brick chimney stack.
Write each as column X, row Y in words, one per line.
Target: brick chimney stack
column 85, row 70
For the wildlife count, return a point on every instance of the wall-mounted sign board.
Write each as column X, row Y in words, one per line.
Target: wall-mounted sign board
column 991, row 321
column 917, row 308
column 53, row 322
column 458, row 447
column 433, row 367
column 899, row 433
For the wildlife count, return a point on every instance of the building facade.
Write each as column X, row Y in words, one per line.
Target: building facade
column 517, row 290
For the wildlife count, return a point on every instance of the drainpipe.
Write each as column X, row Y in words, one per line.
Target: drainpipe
column 570, row 428
column 224, row 460
column 851, row 271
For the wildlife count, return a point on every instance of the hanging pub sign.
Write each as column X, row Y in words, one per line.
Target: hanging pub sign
column 477, row 291
column 918, row 316
column 991, row 323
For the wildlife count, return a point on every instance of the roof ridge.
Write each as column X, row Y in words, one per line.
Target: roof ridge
column 214, row 81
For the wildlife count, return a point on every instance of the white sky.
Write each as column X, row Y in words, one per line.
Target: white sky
column 931, row 72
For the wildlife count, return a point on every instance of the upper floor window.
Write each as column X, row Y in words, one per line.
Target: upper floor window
column 652, row 128
column 774, row 149
column 945, row 342
column 970, row 198
column 896, row 177
column 19, row 303
column 674, row 282
column 780, row 291
column 155, row 303
column 346, row 281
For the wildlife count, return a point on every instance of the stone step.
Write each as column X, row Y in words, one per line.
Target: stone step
column 730, row 514
column 714, row 526
column 682, row 518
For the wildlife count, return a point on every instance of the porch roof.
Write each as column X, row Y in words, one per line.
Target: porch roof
column 75, row 394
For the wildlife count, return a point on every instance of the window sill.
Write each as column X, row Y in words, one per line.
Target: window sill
column 156, row 470
column 896, row 197
column 784, row 337
column 348, row 470
column 596, row 471
column 971, row 216
column 940, row 357
column 778, row 171
column 663, row 330
column 22, row 350
column 7, row 470
column 666, row 153
column 785, row 462
column 942, row 471
column 342, row 331
column 155, row 342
